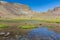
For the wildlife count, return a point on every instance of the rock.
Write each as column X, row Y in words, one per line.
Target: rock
column 4, row 34
column 7, row 34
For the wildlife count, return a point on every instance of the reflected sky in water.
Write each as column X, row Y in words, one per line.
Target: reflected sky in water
column 43, row 34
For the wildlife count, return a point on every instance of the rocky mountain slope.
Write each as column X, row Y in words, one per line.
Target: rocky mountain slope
column 14, row 10
column 50, row 14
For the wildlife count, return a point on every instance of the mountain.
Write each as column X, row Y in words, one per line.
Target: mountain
column 50, row 14
column 17, row 10
column 14, row 10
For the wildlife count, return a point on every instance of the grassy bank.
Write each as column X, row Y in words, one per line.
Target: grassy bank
column 51, row 20
column 34, row 19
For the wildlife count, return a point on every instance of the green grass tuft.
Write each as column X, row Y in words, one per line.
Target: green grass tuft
column 50, row 27
column 3, row 26
column 27, row 27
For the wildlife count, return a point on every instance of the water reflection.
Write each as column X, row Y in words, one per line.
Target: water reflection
column 43, row 34
column 36, row 34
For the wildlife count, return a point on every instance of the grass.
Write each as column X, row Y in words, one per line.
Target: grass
column 54, row 20
column 50, row 27
column 3, row 26
column 51, row 20
column 16, row 20
column 27, row 26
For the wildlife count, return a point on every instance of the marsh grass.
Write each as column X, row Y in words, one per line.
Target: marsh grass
column 50, row 26
column 35, row 19
column 28, row 26
column 51, row 20
column 3, row 26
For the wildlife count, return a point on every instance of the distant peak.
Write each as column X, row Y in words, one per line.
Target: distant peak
column 57, row 8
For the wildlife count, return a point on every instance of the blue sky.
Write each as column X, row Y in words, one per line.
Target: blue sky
column 39, row 5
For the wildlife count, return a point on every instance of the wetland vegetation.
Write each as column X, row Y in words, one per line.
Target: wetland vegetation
column 23, row 29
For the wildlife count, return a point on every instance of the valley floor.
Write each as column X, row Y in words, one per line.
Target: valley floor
column 14, row 30
column 14, row 24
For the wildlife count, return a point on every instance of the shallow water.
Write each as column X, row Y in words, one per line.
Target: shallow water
column 36, row 34
column 43, row 34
